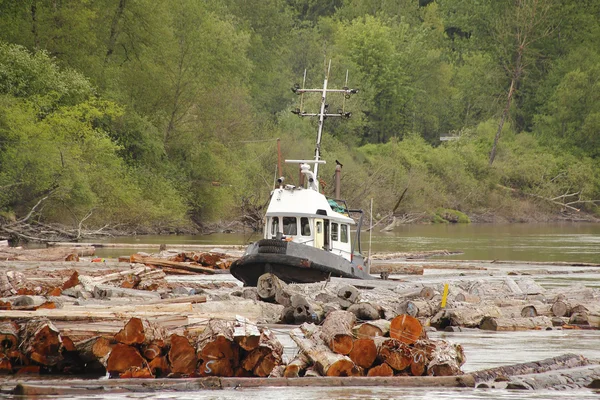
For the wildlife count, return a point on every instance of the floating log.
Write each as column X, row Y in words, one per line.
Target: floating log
column 182, row 356
column 467, row 298
column 515, row 324
column 327, row 362
column 405, row 328
column 45, row 254
column 172, row 265
column 336, row 331
column 41, row 341
column 397, row 269
column 554, row 363
column 574, row 378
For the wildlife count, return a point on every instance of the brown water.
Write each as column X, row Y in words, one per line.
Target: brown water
column 576, row 242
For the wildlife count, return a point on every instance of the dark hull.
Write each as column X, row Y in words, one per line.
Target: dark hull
column 293, row 262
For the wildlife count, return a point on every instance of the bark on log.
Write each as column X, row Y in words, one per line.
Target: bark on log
column 246, row 334
column 348, row 295
column 9, row 336
column 446, row 359
column 297, row 366
column 217, row 349
column 327, row 362
column 137, row 331
column 393, row 352
column 464, row 316
column 364, row 352
column 561, row 308
column 365, row 311
column 405, row 328
column 265, row 357
column 397, row 269
column 41, row 341
column 182, row 356
column 548, row 364
column 380, row 327
column 515, row 324
column 467, row 298
column 272, row 289
column 336, row 331
column 94, row 352
column 418, row 308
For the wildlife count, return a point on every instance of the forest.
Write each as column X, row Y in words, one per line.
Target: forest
column 151, row 116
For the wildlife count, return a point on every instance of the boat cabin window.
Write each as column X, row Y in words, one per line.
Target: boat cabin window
column 319, row 227
column 334, row 231
column 275, row 226
column 344, row 234
column 305, row 226
column 290, row 226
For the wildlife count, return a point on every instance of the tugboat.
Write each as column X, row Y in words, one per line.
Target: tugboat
column 307, row 237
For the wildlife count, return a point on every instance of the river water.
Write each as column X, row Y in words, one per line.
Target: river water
column 483, row 349
column 576, row 242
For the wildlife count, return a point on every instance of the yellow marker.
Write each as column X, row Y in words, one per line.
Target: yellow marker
column 445, row 295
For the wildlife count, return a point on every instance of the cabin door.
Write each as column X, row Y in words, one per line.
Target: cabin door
column 319, row 233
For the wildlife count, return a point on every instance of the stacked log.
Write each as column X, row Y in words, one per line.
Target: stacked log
column 142, row 349
column 340, row 347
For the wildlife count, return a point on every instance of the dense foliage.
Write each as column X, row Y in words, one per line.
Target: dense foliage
column 160, row 115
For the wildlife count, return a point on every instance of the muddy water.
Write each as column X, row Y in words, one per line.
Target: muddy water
column 578, row 242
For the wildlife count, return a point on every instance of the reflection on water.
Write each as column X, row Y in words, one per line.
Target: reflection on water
column 576, row 242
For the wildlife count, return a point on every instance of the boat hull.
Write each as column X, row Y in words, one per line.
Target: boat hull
column 293, row 262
